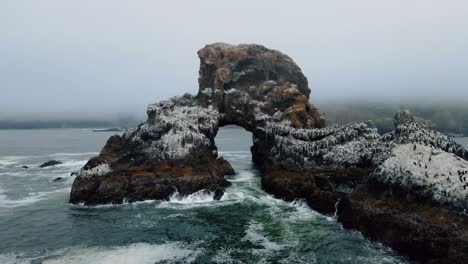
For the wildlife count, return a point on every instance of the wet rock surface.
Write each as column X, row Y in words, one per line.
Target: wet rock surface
column 405, row 188
column 156, row 180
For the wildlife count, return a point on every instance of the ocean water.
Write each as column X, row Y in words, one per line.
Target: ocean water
column 37, row 225
column 463, row 141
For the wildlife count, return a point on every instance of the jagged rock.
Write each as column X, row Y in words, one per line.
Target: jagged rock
column 50, row 163
column 250, row 84
column 404, row 188
column 412, row 156
column 403, row 117
column 425, row 160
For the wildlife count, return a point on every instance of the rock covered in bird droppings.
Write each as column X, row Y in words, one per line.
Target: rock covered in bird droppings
column 401, row 187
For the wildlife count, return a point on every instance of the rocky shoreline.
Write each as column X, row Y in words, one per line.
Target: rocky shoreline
column 406, row 188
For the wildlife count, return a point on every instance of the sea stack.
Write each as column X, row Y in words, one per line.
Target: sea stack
column 174, row 150
column 397, row 188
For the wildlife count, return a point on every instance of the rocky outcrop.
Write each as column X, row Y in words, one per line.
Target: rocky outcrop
column 405, row 188
column 413, row 156
column 251, row 85
column 425, row 161
column 50, row 163
column 174, row 150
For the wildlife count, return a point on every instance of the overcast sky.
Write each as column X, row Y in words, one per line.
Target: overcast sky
column 100, row 56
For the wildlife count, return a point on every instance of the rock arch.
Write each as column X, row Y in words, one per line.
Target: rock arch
column 245, row 85
column 347, row 170
column 263, row 91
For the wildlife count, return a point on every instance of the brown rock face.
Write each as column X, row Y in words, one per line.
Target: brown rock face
column 224, row 66
column 247, row 81
column 154, row 181
column 423, row 232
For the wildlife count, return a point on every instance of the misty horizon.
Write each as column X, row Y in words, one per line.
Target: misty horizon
column 95, row 57
column 138, row 112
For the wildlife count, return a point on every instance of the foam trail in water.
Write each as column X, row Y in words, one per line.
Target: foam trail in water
column 63, row 154
column 243, row 176
column 8, row 161
column 71, row 164
column 5, row 202
column 125, row 203
column 303, row 211
column 255, row 234
column 139, row 253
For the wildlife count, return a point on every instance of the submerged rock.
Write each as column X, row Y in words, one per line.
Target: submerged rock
column 387, row 186
column 50, row 163
column 58, row 179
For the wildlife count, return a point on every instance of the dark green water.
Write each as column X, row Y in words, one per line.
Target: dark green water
column 37, row 225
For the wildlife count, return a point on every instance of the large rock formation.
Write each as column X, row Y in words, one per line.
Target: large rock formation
column 405, row 188
column 174, row 150
column 250, row 85
column 412, row 156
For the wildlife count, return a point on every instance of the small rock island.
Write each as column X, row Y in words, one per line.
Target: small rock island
column 407, row 188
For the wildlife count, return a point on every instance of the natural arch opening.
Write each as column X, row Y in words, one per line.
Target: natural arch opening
column 234, row 143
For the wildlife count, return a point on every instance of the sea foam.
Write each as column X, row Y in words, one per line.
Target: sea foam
column 32, row 198
column 139, row 253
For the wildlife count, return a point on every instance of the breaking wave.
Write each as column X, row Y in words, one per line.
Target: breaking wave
column 197, row 199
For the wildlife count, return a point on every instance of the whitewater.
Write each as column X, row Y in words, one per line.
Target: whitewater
column 38, row 225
